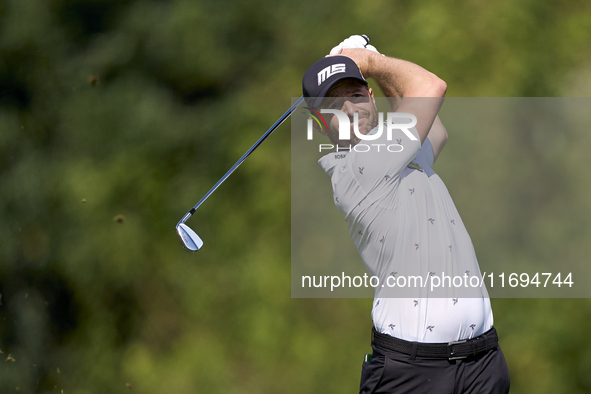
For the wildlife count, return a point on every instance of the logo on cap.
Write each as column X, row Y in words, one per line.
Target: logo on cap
column 329, row 71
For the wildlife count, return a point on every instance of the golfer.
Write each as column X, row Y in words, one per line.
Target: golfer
column 404, row 222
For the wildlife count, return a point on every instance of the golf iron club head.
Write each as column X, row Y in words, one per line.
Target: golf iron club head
column 189, row 238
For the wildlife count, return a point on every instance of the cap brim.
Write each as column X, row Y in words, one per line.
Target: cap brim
column 325, row 89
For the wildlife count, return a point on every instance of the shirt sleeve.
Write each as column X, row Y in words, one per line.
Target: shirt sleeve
column 427, row 151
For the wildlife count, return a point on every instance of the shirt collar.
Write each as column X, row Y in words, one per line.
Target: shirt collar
column 329, row 161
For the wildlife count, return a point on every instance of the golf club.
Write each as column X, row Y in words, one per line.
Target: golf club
column 189, row 238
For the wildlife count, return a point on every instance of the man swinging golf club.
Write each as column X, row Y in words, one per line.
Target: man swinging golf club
column 404, row 222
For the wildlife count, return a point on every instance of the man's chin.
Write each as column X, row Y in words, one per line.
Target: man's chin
column 348, row 143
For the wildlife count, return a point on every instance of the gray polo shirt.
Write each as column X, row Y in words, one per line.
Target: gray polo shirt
column 404, row 224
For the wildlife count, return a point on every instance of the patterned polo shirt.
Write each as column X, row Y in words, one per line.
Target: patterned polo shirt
column 404, row 223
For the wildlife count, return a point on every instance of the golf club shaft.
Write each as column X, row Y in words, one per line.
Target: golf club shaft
column 256, row 144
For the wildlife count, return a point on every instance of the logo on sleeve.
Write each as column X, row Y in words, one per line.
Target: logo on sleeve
column 415, row 166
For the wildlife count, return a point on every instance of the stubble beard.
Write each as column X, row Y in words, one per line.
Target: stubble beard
column 367, row 121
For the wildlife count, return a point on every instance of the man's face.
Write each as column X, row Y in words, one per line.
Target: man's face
column 350, row 96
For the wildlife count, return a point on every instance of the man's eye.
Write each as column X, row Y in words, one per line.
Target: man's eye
column 360, row 98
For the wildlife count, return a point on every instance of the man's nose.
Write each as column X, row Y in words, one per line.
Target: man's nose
column 348, row 108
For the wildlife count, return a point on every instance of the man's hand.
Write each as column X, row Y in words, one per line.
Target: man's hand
column 357, row 48
column 356, row 41
column 362, row 57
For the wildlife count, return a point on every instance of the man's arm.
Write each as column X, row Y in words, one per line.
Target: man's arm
column 410, row 87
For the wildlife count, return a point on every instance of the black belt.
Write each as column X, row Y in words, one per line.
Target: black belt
column 452, row 350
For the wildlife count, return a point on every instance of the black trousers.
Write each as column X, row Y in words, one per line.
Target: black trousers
column 397, row 373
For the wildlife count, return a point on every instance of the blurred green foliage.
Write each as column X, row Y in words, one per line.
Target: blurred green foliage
column 116, row 116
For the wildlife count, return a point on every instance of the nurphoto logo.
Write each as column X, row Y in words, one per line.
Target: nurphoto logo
column 394, row 121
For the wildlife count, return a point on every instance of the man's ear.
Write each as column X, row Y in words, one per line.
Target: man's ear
column 373, row 99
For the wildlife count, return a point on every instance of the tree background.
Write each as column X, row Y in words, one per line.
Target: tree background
column 117, row 116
